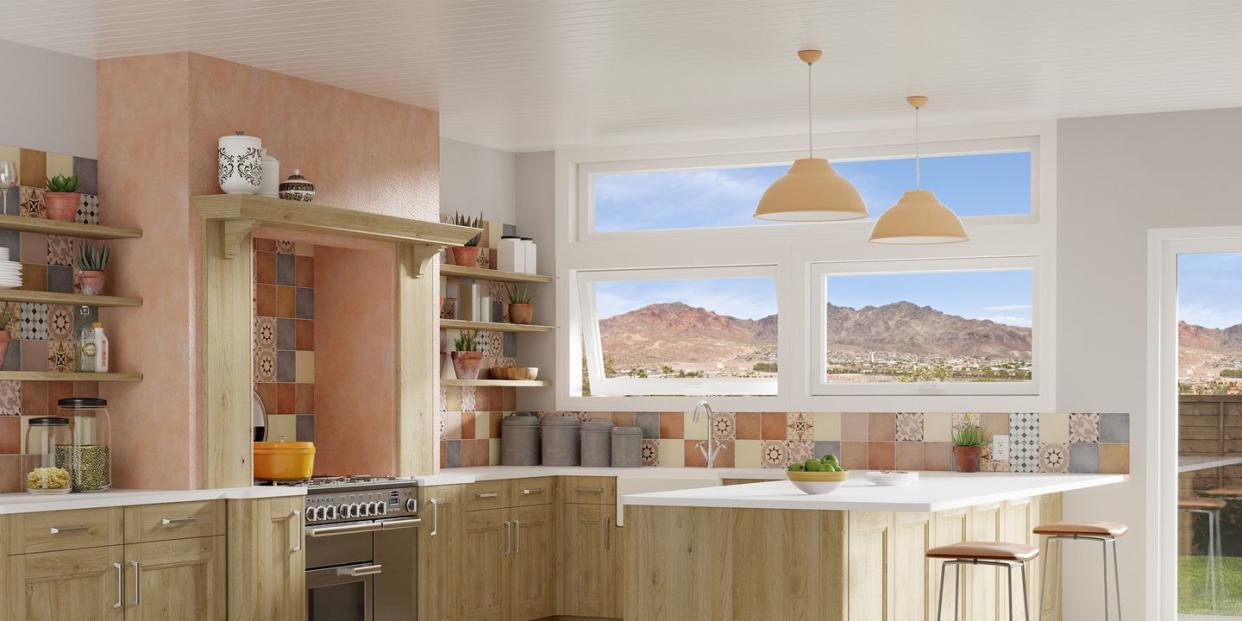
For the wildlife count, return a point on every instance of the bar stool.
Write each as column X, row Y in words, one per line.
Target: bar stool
column 1104, row 532
column 1006, row 555
column 1211, row 508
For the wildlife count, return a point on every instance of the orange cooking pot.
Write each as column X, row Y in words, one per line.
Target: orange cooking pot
column 283, row 461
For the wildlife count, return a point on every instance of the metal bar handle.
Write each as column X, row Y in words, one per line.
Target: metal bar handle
column 361, row 570
column 435, row 517
column 508, row 536
column 530, row 491
column 120, row 584
column 65, row 530
column 590, row 490
column 345, row 529
column 397, row 523
column 485, row 495
column 517, row 537
column 608, row 533
column 296, row 531
column 177, row 521
column 137, row 582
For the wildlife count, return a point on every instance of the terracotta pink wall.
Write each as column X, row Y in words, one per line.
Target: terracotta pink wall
column 160, row 117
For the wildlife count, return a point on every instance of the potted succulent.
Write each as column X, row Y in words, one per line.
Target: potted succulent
column 92, row 259
column 468, row 255
column 7, row 315
column 968, row 447
column 61, row 198
column 521, row 304
column 466, row 355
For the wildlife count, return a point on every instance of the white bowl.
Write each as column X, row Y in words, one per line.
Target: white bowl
column 816, row 483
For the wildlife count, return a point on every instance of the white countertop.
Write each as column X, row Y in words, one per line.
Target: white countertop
column 457, row 476
column 30, row 503
column 935, row 491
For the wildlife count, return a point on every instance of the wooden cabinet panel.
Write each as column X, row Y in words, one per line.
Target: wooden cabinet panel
column 1016, row 525
column 1045, row 510
column 440, row 552
column 532, row 572
column 266, row 575
column 948, row 527
column 913, row 595
column 870, row 555
column 591, row 561
column 176, row 520
column 486, row 549
column 486, row 495
column 528, row 492
column 589, row 490
column 82, row 585
column 177, row 580
column 984, row 582
column 65, row 530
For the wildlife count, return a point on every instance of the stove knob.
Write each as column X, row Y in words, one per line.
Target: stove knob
column 312, row 514
column 364, row 509
column 347, row 511
column 411, row 505
column 329, row 512
column 381, row 508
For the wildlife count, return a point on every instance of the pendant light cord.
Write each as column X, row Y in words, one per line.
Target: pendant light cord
column 918, row 173
column 809, row 139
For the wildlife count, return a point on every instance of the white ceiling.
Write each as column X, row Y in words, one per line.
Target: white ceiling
column 530, row 74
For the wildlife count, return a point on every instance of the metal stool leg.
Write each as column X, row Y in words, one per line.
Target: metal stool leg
column 957, row 592
column 940, row 601
column 1043, row 580
column 1009, row 585
column 1026, row 598
column 1104, row 549
column 1116, row 579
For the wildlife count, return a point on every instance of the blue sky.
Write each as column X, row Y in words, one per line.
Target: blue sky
column 1209, row 289
column 744, row 298
column 993, row 184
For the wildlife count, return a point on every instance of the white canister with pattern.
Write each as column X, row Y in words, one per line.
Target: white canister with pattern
column 240, row 164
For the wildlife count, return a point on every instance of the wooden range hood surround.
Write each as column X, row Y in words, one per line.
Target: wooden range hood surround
column 229, row 223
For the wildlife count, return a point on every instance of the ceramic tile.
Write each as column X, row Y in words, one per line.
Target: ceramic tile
column 286, row 302
column 87, row 172
column 10, row 398
column 60, row 250
column 34, row 355
column 32, row 202
column 854, row 455
column 650, row 452
column 59, row 164
column 304, row 272
column 672, row 453
column 10, row 435
column 800, row 450
column 747, row 453
column 1024, row 449
column 693, row 457
column 483, row 399
column 960, row 419
column 723, row 426
column 909, row 427
column 265, row 300
column 285, row 265
column 453, row 453
column 11, row 201
column 304, row 250
column 1115, row 428
column 749, row 426
column 909, row 456
column 286, row 399
column 881, row 455
column 34, row 321
column 773, row 426
column 827, row 426
column 655, row 426
column 1084, row 428
column 508, row 399
column 938, row 456
column 800, row 426
column 827, row 447
column 469, row 401
column 1084, row 458
column 1114, row 458
column 12, row 358
column 482, row 424
column 265, row 268
column 882, row 427
column 304, row 304
column 304, row 398
column 34, row 398
column 10, row 473
column 1053, row 457
column 262, row 244
column 12, row 240
column 32, row 169
column 282, row 427
column 34, row 277
column 88, row 209
column 285, row 247
column 854, row 426
column 60, row 321
column 452, row 398
column 493, row 452
column 265, row 365
column 60, row 356
column 775, row 454
column 452, row 425
column 286, row 366
column 34, row 248
column 994, row 423
column 286, row 337
column 265, row 333
column 57, row 391
column 60, row 279
column 622, row 419
column 694, row 430
column 467, row 425
column 267, row 394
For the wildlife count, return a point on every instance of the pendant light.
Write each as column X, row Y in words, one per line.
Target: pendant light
column 811, row 191
column 919, row 217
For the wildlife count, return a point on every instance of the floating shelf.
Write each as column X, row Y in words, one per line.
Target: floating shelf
column 67, row 229
column 492, row 382
column 71, row 299
column 54, row 376
column 493, row 275
column 491, row 326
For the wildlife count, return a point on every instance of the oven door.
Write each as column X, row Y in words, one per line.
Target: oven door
column 341, row 593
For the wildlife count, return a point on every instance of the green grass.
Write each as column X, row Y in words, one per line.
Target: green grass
column 1194, row 595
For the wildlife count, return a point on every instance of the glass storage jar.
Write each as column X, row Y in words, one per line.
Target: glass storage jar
column 89, row 457
column 45, row 437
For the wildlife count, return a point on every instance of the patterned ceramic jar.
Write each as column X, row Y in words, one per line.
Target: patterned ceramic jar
column 297, row 188
column 240, row 164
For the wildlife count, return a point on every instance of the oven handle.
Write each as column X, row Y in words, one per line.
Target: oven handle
column 360, row 570
column 345, row 529
column 396, row 523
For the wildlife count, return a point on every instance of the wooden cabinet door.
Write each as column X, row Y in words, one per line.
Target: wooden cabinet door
column 532, row 571
column 485, row 575
column 267, row 575
column 870, row 556
column 948, row 527
column 440, row 552
column 913, row 595
column 985, row 582
column 84, row 585
column 177, row 580
column 587, row 565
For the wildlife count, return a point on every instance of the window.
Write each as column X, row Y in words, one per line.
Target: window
column 986, row 184
column 952, row 326
column 1209, row 323
column 679, row 332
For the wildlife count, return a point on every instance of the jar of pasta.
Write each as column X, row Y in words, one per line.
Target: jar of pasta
column 46, row 436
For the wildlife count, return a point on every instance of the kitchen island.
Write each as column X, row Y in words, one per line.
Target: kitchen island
column 768, row 551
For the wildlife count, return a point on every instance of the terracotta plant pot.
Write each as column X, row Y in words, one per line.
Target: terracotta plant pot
column 466, row 364
column 521, row 313
column 465, row 256
column 61, row 205
column 5, row 339
column 967, row 458
column 92, row 282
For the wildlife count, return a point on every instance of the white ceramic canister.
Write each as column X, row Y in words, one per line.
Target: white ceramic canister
column 528, row 247
column 240, row 164
column 271, row 176
column 511, row 254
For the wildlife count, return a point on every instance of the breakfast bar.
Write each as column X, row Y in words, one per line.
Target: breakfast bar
column 768, row 551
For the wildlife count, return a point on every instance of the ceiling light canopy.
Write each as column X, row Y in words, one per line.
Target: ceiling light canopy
column 918, row 217
column 811, row 191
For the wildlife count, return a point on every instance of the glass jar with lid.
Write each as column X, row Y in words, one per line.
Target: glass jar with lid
column 88, row 458
column 46, row 436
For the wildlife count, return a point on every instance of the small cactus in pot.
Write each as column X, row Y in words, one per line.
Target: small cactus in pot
column 62, row 198
column 92, row 259
column 466, row 355
column 521, row 304
column 467, row 255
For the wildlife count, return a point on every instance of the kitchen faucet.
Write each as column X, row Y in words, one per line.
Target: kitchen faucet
column 708, row 448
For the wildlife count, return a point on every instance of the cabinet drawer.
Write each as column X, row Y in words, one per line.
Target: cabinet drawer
column 487, row 495
column 50, row 531
column 174, row 520
column 530, row 492
column 590, row 490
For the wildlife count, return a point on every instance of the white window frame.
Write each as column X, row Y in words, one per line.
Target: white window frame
column 819, row 314
column 648, row 387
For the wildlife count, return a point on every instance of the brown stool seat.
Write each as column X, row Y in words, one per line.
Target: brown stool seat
column 1223, row 492
column 1084, row 529
column 985, row 551
column 1200, row 503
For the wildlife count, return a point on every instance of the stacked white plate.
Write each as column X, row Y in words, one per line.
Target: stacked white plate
column 10, row 271
column 893, row 478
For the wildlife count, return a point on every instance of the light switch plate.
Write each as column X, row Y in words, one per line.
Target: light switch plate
column 1000, row 448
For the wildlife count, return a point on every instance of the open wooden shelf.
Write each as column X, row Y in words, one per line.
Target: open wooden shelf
column 493, row 275
column 494, row 382
column 67, row 229
column 492, row 326
column 71, row 299
column 54, row 376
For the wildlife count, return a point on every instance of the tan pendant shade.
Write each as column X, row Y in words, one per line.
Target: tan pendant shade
column 811, row 192
column 918, row 218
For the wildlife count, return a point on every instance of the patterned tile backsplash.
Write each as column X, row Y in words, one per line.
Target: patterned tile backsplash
column 284, row 337
column 470, row 436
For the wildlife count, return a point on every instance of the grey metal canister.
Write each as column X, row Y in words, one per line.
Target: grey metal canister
column 597, row 443
column 627, row 447
column 519, row 440
column 560, row 440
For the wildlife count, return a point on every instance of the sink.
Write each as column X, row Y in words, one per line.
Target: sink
column 645, row 484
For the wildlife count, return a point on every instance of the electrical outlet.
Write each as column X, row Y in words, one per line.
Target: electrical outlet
column 1000, row 448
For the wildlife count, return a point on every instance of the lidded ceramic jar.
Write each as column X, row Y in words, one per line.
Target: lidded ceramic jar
column 297, row 188
column 271, row 176
column 240, row 164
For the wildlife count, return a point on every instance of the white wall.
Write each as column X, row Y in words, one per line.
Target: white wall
column 476, row 179
column 1118, row 177
column 536, row 217
column 50, row 101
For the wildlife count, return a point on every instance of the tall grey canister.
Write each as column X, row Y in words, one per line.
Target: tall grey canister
column 597, row 443
column 627, row 447
column 519, row 440
column 560, row 440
